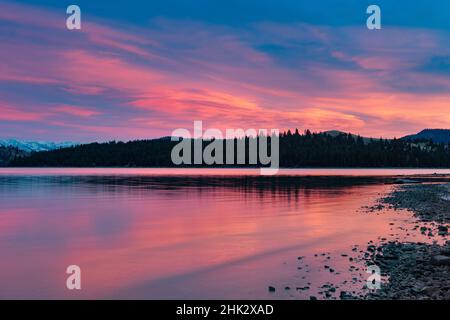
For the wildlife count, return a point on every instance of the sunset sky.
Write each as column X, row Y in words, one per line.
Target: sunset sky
column 140, row 69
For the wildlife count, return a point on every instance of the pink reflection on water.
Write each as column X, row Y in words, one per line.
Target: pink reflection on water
column 132, row 242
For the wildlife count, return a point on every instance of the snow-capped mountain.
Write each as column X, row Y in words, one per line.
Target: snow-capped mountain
column 30, row 146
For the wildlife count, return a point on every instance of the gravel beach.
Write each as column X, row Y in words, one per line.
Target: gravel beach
column 416, row 270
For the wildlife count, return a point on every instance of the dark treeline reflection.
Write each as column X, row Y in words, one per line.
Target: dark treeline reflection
column 265, row 186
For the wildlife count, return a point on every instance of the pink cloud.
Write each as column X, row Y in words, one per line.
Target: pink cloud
column 14, row 113
column 76, row 111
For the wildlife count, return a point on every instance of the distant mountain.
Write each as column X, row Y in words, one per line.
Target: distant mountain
column 436, row 135
column 35, row 146
column 335, row 133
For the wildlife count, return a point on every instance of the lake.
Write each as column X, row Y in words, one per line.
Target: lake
column 191, row 233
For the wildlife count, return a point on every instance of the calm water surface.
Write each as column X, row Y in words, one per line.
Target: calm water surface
column 218, row 171
column 144, row 234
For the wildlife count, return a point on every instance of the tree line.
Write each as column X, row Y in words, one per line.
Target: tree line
column 296, row 149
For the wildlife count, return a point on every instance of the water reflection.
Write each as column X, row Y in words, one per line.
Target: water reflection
column 180, row 236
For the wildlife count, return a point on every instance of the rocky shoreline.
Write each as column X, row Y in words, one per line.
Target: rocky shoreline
column 417, row 271
column 428, row 202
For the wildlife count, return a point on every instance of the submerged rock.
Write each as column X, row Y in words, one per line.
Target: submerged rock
column 442, row 230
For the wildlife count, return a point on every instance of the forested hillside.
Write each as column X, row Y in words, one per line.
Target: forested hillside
column 296, row 150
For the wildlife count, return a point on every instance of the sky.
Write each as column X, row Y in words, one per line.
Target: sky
column 141, row 69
